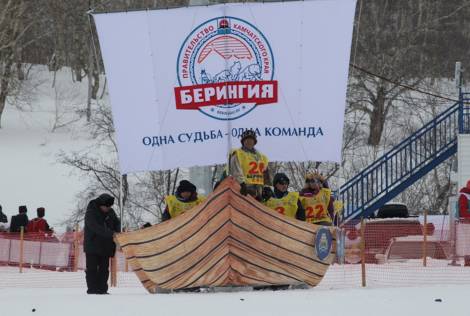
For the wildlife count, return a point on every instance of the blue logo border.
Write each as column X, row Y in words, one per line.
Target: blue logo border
column 225, row 17
column 323, row 254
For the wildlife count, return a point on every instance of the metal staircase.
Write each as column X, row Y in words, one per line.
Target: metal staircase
column 407, row 162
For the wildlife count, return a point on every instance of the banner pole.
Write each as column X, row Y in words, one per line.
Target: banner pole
column 126, row 266
column 363, row 253
column 113, row 282
column 76, row 248
column 121, row 205
column 425, row 237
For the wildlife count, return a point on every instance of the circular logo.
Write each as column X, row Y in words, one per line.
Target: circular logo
column 224, row 50
column 323, row 243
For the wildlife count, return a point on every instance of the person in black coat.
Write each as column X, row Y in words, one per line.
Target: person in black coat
column 3, row 221
column 19, row 220
column 3, row 217
column 101, row 223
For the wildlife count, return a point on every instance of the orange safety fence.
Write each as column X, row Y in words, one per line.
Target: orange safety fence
column 396, row 252
column 386, row 252
column 47, row 252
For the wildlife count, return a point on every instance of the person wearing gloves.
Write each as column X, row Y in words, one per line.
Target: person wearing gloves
column 101, row 223
column 317, row 201
column 249, row 166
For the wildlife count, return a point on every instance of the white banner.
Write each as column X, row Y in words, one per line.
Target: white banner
column 185, row 82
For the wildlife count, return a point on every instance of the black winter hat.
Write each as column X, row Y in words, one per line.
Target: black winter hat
column 41, row 211
column 186, row 186
column 249, row 133
column 22, row 209
column 105, row 200
column 280, row 177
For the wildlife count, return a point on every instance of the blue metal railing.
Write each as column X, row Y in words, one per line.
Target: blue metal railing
column 407, row 162
column 464, row 115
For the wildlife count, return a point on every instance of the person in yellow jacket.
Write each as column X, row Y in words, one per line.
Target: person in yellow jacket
column 184, row 198
column 249, row 166
column 283, row 201
column 317, row 200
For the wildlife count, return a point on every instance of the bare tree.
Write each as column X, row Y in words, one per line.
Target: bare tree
column 13, row 27
column 143, row 193
column 65, row 104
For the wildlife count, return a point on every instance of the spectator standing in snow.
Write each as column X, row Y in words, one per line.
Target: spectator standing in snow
column 464, row 212
column 464, row 202
column 21, row 219
column 39, row 224
column 185, row 198
column 101, row 223
column 3, row 221
column 249, row 166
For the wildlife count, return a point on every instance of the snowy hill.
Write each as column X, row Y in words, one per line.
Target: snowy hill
column 30, row 140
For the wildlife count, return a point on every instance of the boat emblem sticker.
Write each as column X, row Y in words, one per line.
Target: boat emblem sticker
column 323, row 243
column 225, row 68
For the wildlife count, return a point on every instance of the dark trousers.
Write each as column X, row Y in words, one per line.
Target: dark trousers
column 97, row 273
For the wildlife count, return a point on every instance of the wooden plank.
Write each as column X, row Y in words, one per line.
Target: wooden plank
column 284, row 240
column 191, row 217
column 163, row 254
column 206, row 266
column 288, row 259
column 250, row 274
column 285, row 272
column 189, row 264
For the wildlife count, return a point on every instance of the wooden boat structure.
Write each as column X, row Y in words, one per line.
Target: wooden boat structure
column 229, row 240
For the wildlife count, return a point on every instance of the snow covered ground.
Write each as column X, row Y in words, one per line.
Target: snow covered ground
column 393, row 289
column 29, row 172
column 430, row 301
